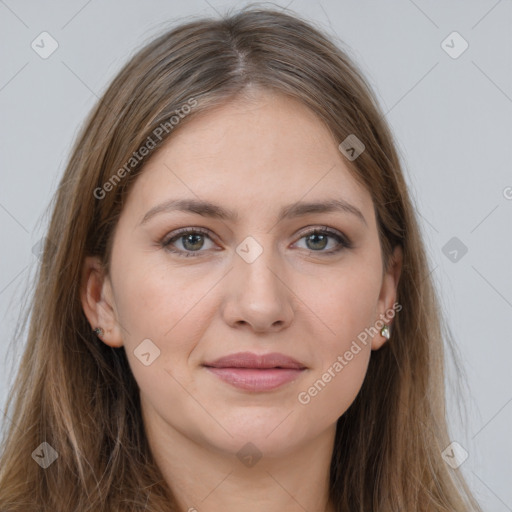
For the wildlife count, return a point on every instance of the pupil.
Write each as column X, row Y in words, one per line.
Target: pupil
column 191, row 238
column 323, row 240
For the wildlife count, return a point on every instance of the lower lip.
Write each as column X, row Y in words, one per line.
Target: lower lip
column 253, row 379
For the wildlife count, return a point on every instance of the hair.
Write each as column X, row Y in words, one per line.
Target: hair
column 79, row 395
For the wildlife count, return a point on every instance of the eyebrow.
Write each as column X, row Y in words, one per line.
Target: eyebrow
column 208, row 209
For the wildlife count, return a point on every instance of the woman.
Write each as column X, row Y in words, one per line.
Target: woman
column 234, row 308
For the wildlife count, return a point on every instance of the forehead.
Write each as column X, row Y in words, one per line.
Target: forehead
column 267, row 150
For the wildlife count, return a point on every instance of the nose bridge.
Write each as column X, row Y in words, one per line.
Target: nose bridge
column 261, row 259
column 257, row 266
column 259, row 296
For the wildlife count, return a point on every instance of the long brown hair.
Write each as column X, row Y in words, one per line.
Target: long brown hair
column 78, row 395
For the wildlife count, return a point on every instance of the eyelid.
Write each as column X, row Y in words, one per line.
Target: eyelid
column 315, row 228
column 189, row 229
column 177, row 233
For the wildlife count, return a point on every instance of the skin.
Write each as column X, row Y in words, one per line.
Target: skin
column 253, row 155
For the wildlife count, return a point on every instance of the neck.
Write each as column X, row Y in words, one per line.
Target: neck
column 205, row 479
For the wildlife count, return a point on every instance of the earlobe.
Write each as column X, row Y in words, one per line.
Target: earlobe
column 98, row 302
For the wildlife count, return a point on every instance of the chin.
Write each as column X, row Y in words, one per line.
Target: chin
column 270, row 436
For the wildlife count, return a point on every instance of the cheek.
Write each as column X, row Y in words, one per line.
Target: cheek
column 345, row 352
column 173, row 309
column 329, row 393
column 348, row 308
column 157, row 300
column 350, row 304
column 162, row 322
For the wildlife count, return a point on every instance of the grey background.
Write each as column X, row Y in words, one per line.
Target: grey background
column 451, row 117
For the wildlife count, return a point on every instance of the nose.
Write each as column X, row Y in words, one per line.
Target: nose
column 257, row 294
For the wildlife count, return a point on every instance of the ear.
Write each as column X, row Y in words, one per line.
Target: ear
column 388, row 294
column 98, row 301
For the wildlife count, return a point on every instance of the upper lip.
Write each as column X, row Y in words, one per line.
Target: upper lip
column 250, row 360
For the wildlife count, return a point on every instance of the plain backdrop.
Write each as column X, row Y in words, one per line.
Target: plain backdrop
column 450, row 111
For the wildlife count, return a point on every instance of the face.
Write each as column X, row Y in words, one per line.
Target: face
column 255, row 272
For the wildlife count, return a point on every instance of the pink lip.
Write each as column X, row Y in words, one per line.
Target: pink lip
column 255, row 372
column 253, row 379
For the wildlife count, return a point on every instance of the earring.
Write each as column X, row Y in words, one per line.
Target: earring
column 98, row 331
column 385, row 331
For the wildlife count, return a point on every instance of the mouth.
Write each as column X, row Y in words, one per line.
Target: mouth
column 257, row 373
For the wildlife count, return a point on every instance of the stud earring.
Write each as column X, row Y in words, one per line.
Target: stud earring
column 98, row 331
column 385, row 331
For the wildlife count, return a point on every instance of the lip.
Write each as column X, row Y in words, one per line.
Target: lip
column 256, row 361
column 253, row 372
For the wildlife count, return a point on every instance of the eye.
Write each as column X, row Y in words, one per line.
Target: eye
column 318, row 239
column 191, row 240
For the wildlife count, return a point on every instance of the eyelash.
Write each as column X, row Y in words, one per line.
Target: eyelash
column 344, row 242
